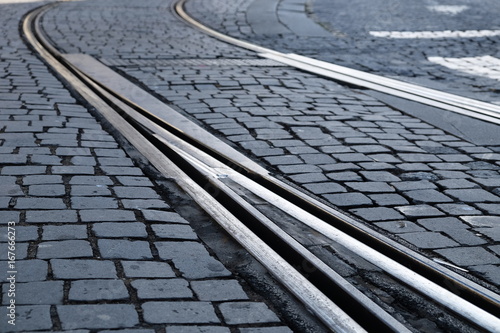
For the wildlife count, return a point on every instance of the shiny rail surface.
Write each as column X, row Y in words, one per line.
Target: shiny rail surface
column 219, row 180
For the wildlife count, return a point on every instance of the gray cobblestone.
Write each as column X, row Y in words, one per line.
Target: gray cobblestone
column 473, row 195
column 29, row 270
column 75, row 269
column 51, row 216
column 144, row 204
column 97, row 290
column 64, row 232
column 218, row 290
column 235, row 313
column 41, row 293
column 97, row 316
column 28, row 318
column 135, row 192
column 469, row 256
column 179, row 313
column 111, row 215
column 419, row 211
column 40, row 203
column 377, row 214
column 192, row 259
column 174, row 231
column 64, row 249
column 428, row 240
column 197, row 329
column 93, row 202
column 47, row 190
column 124, row 249
column 162, row 289
column 427, row 196
column 118, row 230
column 147, row 269
column 91, row 180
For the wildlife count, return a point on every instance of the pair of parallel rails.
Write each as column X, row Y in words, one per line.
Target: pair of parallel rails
column 233, row 190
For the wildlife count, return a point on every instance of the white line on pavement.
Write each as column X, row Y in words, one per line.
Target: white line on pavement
column 487, row 66
column 435, row 34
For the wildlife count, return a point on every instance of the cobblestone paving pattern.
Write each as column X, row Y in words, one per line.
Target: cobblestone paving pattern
column 434, row 191
column 97, row 248
column 350, row 43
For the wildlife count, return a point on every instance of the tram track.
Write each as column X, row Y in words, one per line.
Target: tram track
column 232, row 189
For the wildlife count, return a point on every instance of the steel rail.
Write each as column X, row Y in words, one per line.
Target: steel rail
column 471, row 312
column 473, row 108
column 327, row 311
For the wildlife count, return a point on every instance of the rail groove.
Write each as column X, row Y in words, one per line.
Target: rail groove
column 197, row 166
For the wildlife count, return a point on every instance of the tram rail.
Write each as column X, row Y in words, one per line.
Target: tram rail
column 228, row 184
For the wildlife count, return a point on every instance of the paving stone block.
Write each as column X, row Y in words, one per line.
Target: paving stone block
column 97, row 290
column 458, row 209
column 124, row 249
column 45, row 160
column 489, row 272
column 64, row 249
column 64, row 232
column 370, row 187
column 77, row 269
column 413, row 185
column 218, row 290
column 379, row 176
column 274, row 329
column 163, row 216
column 469, row 256
column 51, row 216
column 197, row 329
column 473, row 195
column 421, row 158
column 110, row 152
column 40, row 203
column 134, row 181
column 135, row 192
column 97, row 316
column 147, row 269
column 348, row 199
column 111, row 215
column 73, row 151
column 91, row 180
column 119, row 230
column 308, row 178
column 283, row 160
column 492, row 232
column 427, row 196
column 344, row 176
column 419, row 211
column 22, row 170
column 377, row 214
column 144, row 204
column 121, row 171
column 162, row 289
column 28, row 318
column 90, row 190
column 93, row 202
column 237, row 313
column 323, row 188
column 388, row 199
column 23, row 234
column 492, row 209
column 42, row 179
column 47, row 190
column 37, row 293
column 428, row 240
column 192, row 259
column 398, row 227
column 28, row 270
column 299, row 168
column 179, row 313
column 174, row 231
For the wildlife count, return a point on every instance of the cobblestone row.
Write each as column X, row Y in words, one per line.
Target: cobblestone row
column 97, row 247
column 352, row 46
column 395, row 172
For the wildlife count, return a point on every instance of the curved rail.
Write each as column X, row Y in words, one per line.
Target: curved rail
column 458, row 104
column 152, row 136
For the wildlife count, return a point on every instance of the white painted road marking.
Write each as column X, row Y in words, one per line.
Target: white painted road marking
column 435, row 34
column 448, row 10
column 486, row 66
